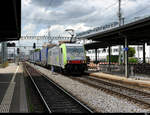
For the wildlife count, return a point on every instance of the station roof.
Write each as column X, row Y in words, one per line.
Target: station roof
column 10, row 21
column 137, row 33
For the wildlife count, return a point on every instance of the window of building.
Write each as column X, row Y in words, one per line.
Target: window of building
column 89, row 52
column 98, row 51
column 93, row 51
column 140, row 48
column 104, row 50
column 115, row 50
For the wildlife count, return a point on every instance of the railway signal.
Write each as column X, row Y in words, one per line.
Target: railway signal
column 34, row 45
column 18, row 50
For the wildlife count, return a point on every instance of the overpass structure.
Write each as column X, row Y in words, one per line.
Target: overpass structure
column 135, row 33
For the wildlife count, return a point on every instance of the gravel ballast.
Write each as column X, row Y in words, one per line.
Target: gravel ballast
column 94, row 98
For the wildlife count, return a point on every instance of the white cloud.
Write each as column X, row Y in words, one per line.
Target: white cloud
column 59, row 30
column 26, row 2
column 29, row 28
column 55, row 30
column 79, row 15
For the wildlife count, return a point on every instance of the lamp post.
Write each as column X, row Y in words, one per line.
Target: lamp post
column 71, row 32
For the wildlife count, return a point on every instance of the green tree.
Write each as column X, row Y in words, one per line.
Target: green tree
column 131, row 52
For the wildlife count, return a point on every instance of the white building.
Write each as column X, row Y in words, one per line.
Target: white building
column 103, row 52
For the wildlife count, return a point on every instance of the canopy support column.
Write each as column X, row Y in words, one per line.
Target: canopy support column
column 126, row 57
column 96, row 56
column 144, row 53
column 109, row 48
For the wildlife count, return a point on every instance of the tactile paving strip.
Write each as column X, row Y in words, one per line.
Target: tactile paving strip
column 5, row 105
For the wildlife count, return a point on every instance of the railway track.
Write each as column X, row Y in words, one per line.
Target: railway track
column 55, row 98
column 137, row 96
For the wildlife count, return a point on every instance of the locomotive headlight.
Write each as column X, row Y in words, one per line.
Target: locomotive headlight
column 83, row 61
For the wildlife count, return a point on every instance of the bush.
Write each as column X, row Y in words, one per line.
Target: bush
column 102, row 60
column 113, row 58
column 133, row 60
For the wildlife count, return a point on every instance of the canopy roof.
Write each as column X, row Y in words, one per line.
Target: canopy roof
column 10, row 21
column 137, row 33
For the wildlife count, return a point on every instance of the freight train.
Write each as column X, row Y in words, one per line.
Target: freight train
column 66, row 58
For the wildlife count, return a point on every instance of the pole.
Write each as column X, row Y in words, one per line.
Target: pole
column 138, row 51
column 19, row 52
column 123, row 20
column 3, row 53
column 109, row 48
column 119, row 13
column 124, row 55
column 126, row 58
column 119, row 16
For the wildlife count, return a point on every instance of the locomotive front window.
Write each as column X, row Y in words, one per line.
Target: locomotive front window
column 75, row 52
column 75, row 49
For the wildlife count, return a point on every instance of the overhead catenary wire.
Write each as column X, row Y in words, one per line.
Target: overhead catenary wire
column 112, row 5
column 139, row 11
column 107, row 8
column 104, row 13
column 40, row 19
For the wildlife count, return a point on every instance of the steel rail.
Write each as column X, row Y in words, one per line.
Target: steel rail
column 46, row 105
column 63, row 90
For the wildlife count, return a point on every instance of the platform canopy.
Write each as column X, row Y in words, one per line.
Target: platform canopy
column 10, row 21
column 137, row 33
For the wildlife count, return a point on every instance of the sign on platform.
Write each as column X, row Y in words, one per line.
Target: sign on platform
column 126, row 49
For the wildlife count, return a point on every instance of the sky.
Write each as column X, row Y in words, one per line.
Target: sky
column 80, row 15
column 39, row 16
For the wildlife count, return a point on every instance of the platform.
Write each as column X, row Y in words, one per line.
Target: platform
column 12, row 90
column 137, row 80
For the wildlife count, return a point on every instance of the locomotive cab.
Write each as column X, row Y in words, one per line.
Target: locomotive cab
column 76, row 59
column 68, row 58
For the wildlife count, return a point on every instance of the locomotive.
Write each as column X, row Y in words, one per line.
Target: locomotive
column 66, row 58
